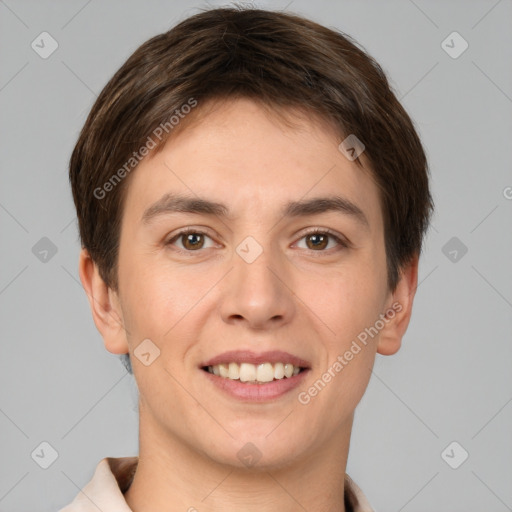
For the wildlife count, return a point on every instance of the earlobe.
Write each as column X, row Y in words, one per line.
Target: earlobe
column 105, row 307
column 399, row 310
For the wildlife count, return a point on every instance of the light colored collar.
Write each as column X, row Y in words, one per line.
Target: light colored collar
column 114, row 475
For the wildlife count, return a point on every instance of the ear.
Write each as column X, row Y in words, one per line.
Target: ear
column 399, row 310
column 105, row 306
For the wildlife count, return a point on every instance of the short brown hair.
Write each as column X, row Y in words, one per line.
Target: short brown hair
column 279, row 59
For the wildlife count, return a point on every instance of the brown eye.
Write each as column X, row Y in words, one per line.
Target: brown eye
column 191, row 240
column 317, row 240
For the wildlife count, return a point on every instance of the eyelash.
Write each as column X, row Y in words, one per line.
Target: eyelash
column 342, row 243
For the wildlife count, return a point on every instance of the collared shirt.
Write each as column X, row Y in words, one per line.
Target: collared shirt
column 114, row 475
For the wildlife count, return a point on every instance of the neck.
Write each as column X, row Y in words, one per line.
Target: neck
column 171, row 476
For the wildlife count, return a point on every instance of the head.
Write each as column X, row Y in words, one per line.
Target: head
column 248, row 109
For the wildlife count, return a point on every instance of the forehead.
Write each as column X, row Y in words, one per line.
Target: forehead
column 251, row 160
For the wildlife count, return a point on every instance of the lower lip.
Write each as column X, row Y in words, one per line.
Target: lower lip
column 251, row 392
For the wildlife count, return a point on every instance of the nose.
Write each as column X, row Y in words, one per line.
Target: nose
column 258, row 292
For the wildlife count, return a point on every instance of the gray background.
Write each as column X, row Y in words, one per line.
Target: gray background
column 451, row 381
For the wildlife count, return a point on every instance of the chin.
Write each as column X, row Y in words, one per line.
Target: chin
column 258, row 452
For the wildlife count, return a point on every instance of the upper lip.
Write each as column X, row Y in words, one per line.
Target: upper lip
column 248, row 356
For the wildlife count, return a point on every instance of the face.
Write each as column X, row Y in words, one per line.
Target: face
column 250, row 284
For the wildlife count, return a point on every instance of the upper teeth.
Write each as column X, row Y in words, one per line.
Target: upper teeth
column 248, row 372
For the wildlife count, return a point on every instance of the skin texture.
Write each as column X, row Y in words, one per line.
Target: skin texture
column 311, row 302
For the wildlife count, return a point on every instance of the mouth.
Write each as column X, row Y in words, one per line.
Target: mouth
column 253, row 377
column 254, row 373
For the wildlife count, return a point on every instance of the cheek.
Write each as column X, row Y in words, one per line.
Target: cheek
column 163, row 303
column 349, row 300
column 151, row 300
column 351, row 305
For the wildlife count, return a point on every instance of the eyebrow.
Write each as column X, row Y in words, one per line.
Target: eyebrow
column 177, row 203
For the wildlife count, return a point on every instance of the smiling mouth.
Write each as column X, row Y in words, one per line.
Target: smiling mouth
column 254, row 373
